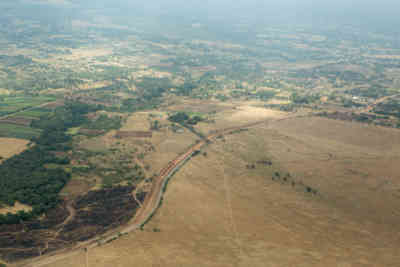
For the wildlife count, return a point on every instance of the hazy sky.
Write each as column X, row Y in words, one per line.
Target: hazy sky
column 379, row 13
column 377, row 7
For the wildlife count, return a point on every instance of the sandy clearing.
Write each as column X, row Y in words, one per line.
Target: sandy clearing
column 12, row 146
column 14, row 209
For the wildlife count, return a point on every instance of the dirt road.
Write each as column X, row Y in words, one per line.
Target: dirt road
column 149, row 206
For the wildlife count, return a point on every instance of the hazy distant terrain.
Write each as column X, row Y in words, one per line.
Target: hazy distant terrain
column 296, row 107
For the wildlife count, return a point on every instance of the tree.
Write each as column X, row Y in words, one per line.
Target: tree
column 179, row 117
column 155, row 125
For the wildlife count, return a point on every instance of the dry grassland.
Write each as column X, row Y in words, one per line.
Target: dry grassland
column 239, row 115
column 354, row 165
column 12, row 146
column 217, row 212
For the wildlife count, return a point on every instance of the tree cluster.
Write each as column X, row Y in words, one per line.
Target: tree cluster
column 26, row 179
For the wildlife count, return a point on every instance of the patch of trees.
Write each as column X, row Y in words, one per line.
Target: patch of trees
column 185, row 89
column 72, row 114
column 265, row 95
column 384, row 120
column 389, row 108
column 185, row 119
column 153, row 87
column 374, row 91
column 136, row 104
column 331, row 73
column 25, row 178
column 148, row 94
column 304, row 99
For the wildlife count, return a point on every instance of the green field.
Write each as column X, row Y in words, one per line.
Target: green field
column 34, row 113
column 14, row 104
column 17, row 131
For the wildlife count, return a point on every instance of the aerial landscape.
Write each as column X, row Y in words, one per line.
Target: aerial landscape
column 181, row 133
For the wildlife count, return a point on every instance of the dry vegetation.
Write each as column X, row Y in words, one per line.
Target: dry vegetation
column 218, row 211
column 11, row 146
column 296, row 190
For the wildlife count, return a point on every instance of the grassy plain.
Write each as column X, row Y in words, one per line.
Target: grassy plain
column 219, row 212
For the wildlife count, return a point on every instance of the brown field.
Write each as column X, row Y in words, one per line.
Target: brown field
column 12, row 146
column 219, row 212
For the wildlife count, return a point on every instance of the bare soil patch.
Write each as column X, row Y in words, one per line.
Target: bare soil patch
column 12, row 146
column 238, row 115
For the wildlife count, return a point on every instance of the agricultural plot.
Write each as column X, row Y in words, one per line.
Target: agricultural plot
column 34, row 113
column 10, row 105
column 18, row 131
column 11, row 146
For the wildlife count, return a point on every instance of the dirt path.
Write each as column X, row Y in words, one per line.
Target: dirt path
column 228, row 199
column 71, row 216
column 149, row 206
column 135, row 197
